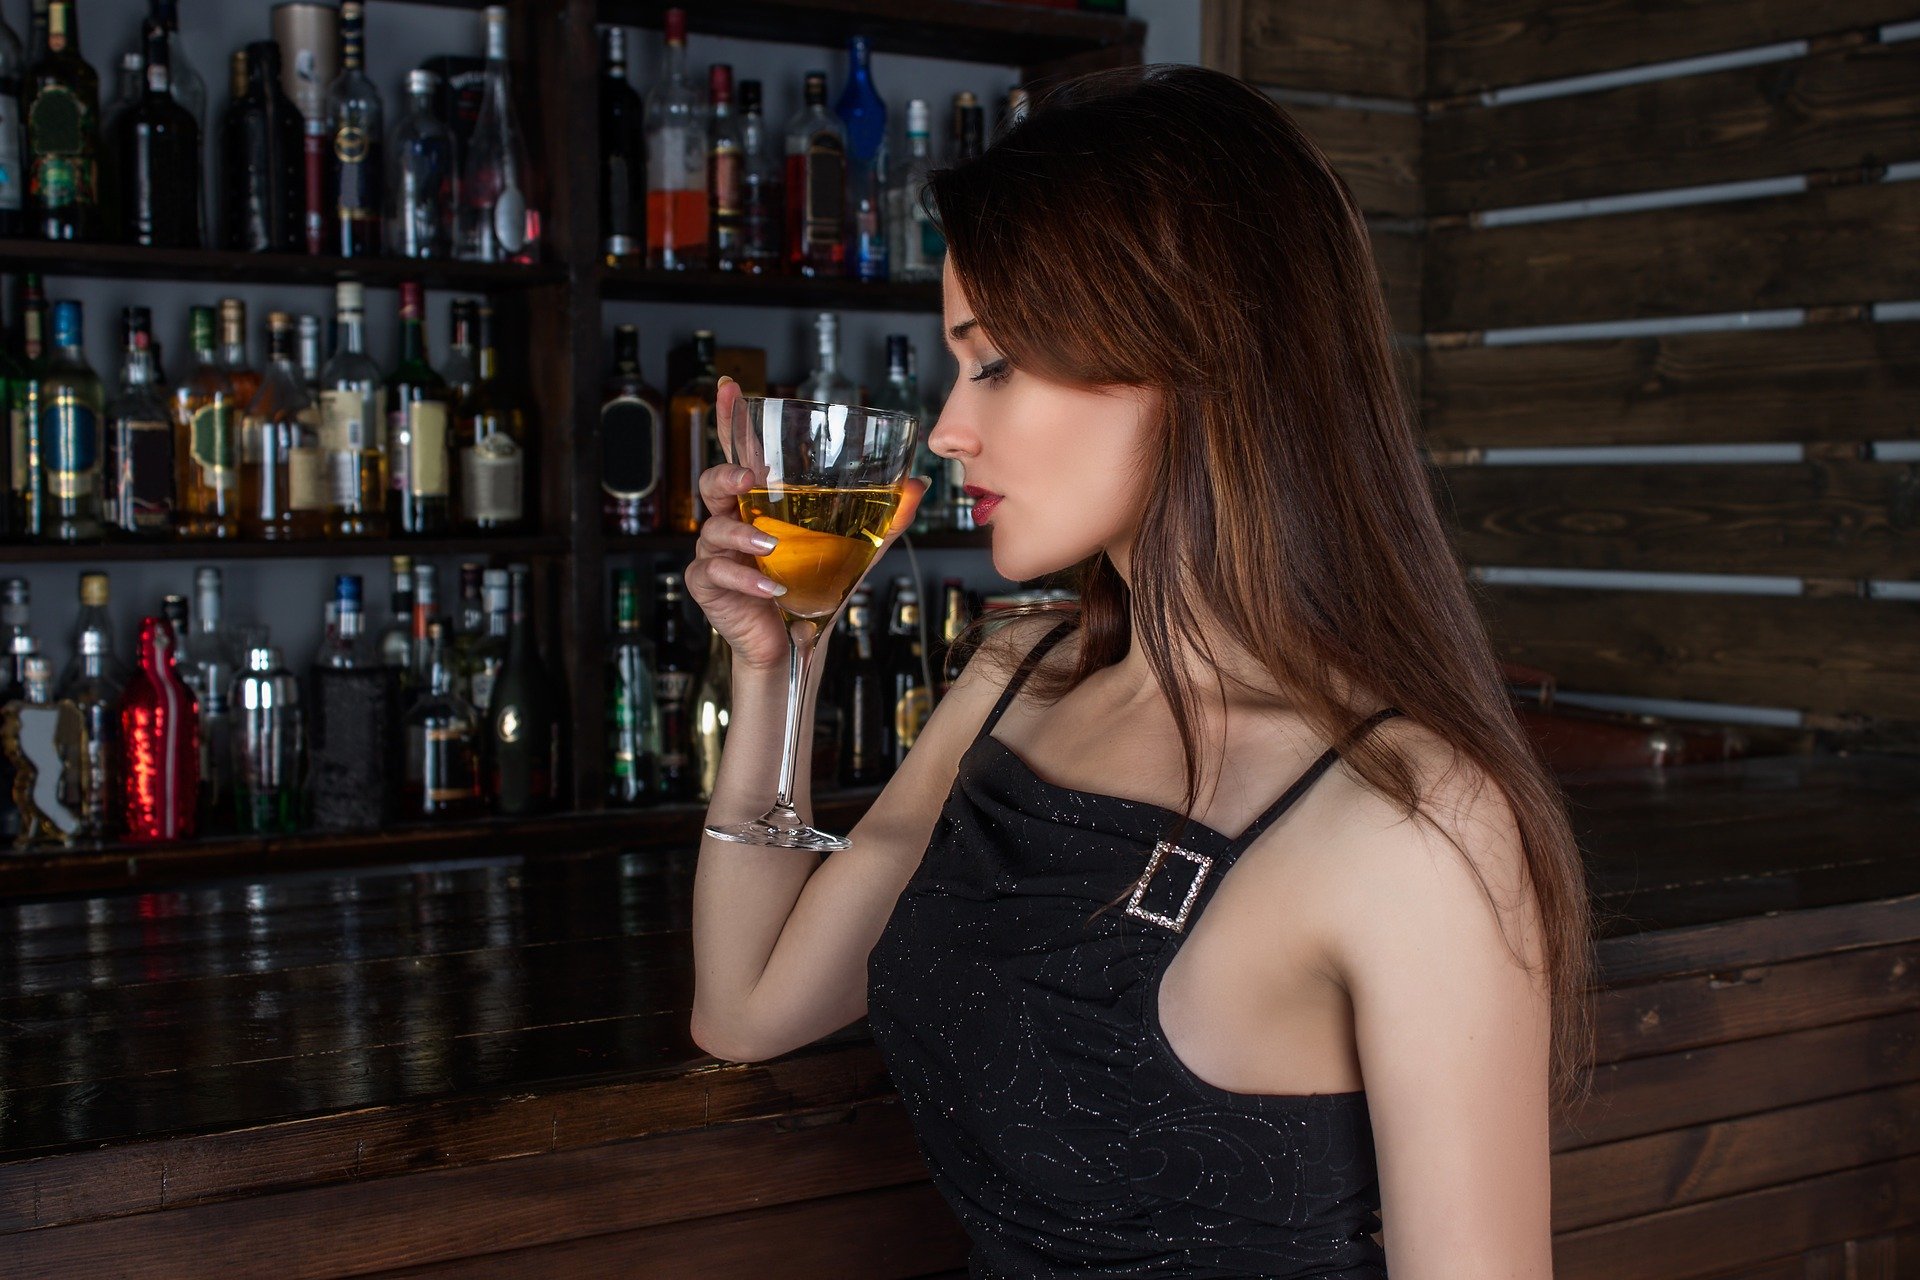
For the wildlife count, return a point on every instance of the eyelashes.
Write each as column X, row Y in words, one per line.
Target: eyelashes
column 997, row 372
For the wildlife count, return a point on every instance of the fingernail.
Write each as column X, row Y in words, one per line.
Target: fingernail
column 771, row 587
column 724, row 379
column 764, row 541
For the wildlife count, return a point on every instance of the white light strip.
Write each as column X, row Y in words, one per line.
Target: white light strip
column 1896, row 310
column 1639, row 201
column 1882, row 589
column 1782, row 318
column 1724, row 584
column 1351, row 101
column 1905, row 171
column 1654, row 454
column 1894, row 32
column 1642, row 74
column 1896, row 450
column 1677, row 709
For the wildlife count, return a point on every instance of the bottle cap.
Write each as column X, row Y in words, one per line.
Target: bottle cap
column 421, row 81
column 346, row 588
column 93, row 588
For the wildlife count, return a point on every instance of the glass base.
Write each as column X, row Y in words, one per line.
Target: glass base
column 780, row 829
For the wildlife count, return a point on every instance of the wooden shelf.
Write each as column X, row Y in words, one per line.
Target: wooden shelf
column 105, row 866
column 968, row 30
column 305, row 549
column 710, row 288
column 225, row 267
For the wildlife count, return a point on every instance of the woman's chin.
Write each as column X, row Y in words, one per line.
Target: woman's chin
column 1023, row 564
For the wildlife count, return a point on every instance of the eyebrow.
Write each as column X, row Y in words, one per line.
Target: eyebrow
column 962, row 329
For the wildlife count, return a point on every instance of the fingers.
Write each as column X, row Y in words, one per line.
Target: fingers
column 912, row 491
column 726, row 400
column 732, row 575
column 723, row 535
column 721, row 487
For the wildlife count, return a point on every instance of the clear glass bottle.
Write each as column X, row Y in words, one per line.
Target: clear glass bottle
column 269, row 745
column 677, row 206
column 211, row 658
column 816, row 184
column 623, row 158
column 633, row 719
column 460, row 369
column 354, row 726
column 726, row 172
column 490, row 651
column 93, row 684
column 420, row 177
column 353, row 425
column 499, row 219
column 899, row 395
column 442, row 768
column 763, row 199
column 72, row 433
column 825, row 382
column 44, row 739
column 490, row 430
column 396, row 638
column 915, row 247
column 306, row 353
column 140, row 466
column 283, row 490
column 864, row 114
column 355, row 169
column 206, row 423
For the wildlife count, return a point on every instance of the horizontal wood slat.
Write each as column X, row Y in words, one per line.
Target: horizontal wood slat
column 1375, row 47
column 1766, row 939
column 1703, row 1239
column 1376, row 152
column 1396, row 256
column 1833, row 110
column 1705, row 1162
column 1814, row 519
column 458, row 1213
column 1810, row 383
column 1843, row 244
column 896, row 1232
column 1836, row 655
column 1485, row 44
column 1642, row 1096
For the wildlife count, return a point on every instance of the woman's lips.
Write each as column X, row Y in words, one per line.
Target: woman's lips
column 984, row 501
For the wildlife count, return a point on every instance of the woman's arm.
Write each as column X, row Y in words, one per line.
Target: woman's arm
column 1453, row 1032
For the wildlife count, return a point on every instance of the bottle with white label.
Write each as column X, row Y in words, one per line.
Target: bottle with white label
column 353, row 425
column 418, row 501
column 491, row 428
column 282, row 483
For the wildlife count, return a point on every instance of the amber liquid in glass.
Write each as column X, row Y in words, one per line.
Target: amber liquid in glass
column 828, row 537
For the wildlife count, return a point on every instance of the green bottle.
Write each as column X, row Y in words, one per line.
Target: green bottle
column 72, row 418
column 522, row 742
column 63, row 135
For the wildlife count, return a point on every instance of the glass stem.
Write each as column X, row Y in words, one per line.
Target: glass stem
column 799, row 665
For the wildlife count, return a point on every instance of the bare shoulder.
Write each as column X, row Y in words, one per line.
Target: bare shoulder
column 1007, row 644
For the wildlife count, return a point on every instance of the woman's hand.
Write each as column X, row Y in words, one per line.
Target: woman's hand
column 724, row 581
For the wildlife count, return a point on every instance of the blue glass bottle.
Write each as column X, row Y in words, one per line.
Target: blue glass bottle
column 865, row 117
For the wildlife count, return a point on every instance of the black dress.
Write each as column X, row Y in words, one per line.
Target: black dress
column 1021, row 1031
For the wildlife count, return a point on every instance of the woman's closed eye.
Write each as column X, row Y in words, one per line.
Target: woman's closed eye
column 997, row 372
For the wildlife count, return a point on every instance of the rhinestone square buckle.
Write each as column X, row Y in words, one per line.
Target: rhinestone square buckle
column 1178, row 920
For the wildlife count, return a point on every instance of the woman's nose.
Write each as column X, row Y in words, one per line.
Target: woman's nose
column 950, row 438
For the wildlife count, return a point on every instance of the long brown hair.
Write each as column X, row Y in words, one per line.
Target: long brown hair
column 1171, row 227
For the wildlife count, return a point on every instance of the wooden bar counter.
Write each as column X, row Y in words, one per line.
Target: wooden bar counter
column 484, row 1068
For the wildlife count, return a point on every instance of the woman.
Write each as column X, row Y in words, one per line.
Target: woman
column 1133, row 1043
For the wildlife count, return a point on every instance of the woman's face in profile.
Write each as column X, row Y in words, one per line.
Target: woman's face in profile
column 1055, row 471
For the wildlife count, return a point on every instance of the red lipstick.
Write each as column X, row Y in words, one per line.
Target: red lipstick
column 984, row 501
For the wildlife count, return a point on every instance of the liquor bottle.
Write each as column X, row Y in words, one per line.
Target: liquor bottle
column 469, row 628
column 956, row 643
column 269, row 745
column 93, row 686
column 156, row 147
column 211, row 659
column 173, row 607
column 234, row 358
column 865, row 117
column 489, row 653
column 420, row 176
column 72, row 405
column 283, row 491
column 354, row 724
column 632, row 418
column 864, row 756
column 308, row 36
column 633, row 720
column 712, row 707
column 897, row 395
column 441, row 777
column 461, row 369
column 623, row 158
column 188, row 87
column 416, row 429
column 522, row 737
column 396, row 638
column 13, row 153
column 261, row 157
column 969, row 128
column 816, row 186
column 94, row 615
column 63, row 135
column 27, row 492
column 306, row 353
column 499, row 219
column 354, row 171
column 129, row 86
column 353, row 425
column 426, row 612
column 692, row 445
column 825, row 382
column 140, row 466
column 159, row 743
column 726, row 172
column 676, row 666
column 763, row 201
column 16, row 633
column 677, row 217
column 490, row 430
column 206, row 423
column 909, row 699
column 915, row 247
column 45, row 741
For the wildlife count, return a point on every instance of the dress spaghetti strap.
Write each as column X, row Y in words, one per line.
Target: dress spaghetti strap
column 1027, row 664
column 1307, row 779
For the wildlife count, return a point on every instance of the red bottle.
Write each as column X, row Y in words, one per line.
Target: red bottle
column 160, row 741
